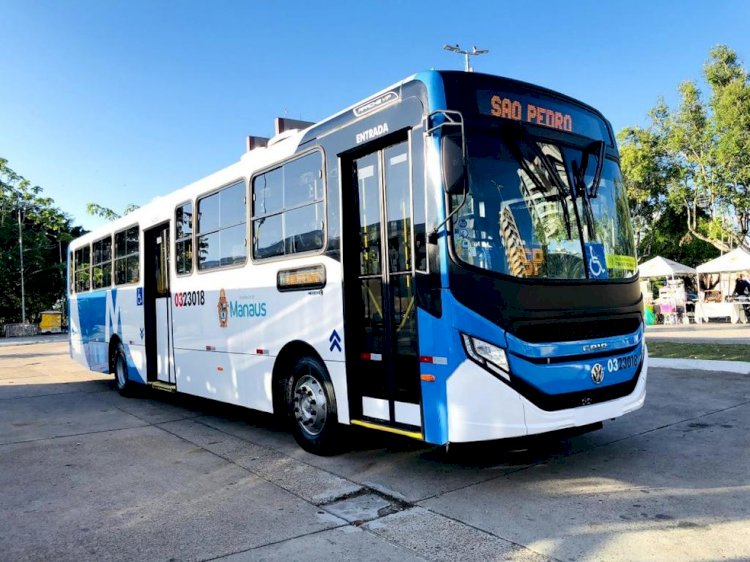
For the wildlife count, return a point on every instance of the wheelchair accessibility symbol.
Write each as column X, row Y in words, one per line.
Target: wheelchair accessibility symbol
column 597, row 260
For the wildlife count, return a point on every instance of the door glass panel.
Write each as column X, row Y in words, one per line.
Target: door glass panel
column 398, row 206
column 367, row 172
column 401, row 297
column 404, row 319
column 162, row 264
column 404, row 330
column 372, row 298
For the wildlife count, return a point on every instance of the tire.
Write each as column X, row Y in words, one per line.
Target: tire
column 311, row 405
column 123, row 384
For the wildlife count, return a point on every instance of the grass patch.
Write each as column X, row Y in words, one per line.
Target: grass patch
column 684, row 350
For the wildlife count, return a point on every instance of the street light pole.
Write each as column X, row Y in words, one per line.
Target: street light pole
column 20, row 250
column 473, row 53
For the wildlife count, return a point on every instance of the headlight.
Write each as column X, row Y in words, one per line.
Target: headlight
column 487, row 355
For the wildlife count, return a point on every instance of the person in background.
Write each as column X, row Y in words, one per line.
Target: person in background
column 742, row 289
column 741, row 286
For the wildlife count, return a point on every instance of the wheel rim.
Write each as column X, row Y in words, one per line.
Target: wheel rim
column 122, row 378
column 310, row 405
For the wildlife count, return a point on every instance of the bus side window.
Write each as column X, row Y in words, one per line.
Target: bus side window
column 127, row 266
column 102, row 263
column 220, row 229
column 288, row 210
column 184, row 239
column 82, row 275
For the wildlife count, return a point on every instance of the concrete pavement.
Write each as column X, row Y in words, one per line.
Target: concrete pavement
column 700, row 333
column 88, row 475
column 718, row 333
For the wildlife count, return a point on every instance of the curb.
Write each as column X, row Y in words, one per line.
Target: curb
column 741, row 367
column 31, row 340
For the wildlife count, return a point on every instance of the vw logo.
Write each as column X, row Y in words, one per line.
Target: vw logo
column 597, row 373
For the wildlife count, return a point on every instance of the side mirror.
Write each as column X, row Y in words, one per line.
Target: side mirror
column 453, row 164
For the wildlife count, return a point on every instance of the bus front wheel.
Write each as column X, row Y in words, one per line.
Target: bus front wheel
column 312, row 408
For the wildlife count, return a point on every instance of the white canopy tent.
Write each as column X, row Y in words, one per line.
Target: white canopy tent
column 736, row 260
column 670, row 297
column 662, row 267
column 730, row 263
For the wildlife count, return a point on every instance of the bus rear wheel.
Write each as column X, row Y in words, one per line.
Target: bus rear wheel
column 312, row 408
column 124, row 385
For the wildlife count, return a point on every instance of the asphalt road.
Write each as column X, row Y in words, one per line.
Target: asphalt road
column 88, row 475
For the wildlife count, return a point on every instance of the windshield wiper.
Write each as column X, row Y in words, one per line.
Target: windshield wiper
column 587, row 193
column 599, row 147
column 521, row 138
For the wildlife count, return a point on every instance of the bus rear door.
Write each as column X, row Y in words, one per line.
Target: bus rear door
column 158, row 306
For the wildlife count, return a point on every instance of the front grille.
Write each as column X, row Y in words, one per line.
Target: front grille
column 578, row 357
column 574, row 330
column 555, row 402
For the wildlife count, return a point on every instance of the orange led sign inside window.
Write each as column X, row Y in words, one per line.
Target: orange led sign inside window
column 508, row 108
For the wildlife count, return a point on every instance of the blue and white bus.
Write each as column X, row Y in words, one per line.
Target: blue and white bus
column 451, row 259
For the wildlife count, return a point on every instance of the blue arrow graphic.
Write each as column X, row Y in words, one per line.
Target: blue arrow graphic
column 335, row 340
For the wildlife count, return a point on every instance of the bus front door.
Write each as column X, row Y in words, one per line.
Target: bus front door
column 158, row 306
column 381, row 325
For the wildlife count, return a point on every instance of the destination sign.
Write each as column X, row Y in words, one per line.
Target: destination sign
column 509, row 108
column 538, row 109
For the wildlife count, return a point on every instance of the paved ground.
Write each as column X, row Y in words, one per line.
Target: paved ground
column 88, row 475
column 700, row 333
column 719, row 333
column 29, row 340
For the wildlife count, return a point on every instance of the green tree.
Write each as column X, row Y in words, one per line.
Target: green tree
column 27, row 216
column 647, row 169
column 694, row 162
column 97, row 210
column 668, row 238
column 730, row 103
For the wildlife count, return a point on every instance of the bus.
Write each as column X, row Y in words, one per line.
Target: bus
column 451, row 259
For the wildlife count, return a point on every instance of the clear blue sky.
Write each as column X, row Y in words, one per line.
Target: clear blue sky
column 116, row 102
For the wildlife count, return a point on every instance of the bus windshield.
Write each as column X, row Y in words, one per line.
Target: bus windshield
column 532, row 211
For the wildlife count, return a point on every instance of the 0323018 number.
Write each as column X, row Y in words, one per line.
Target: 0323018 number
column 189, row 298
